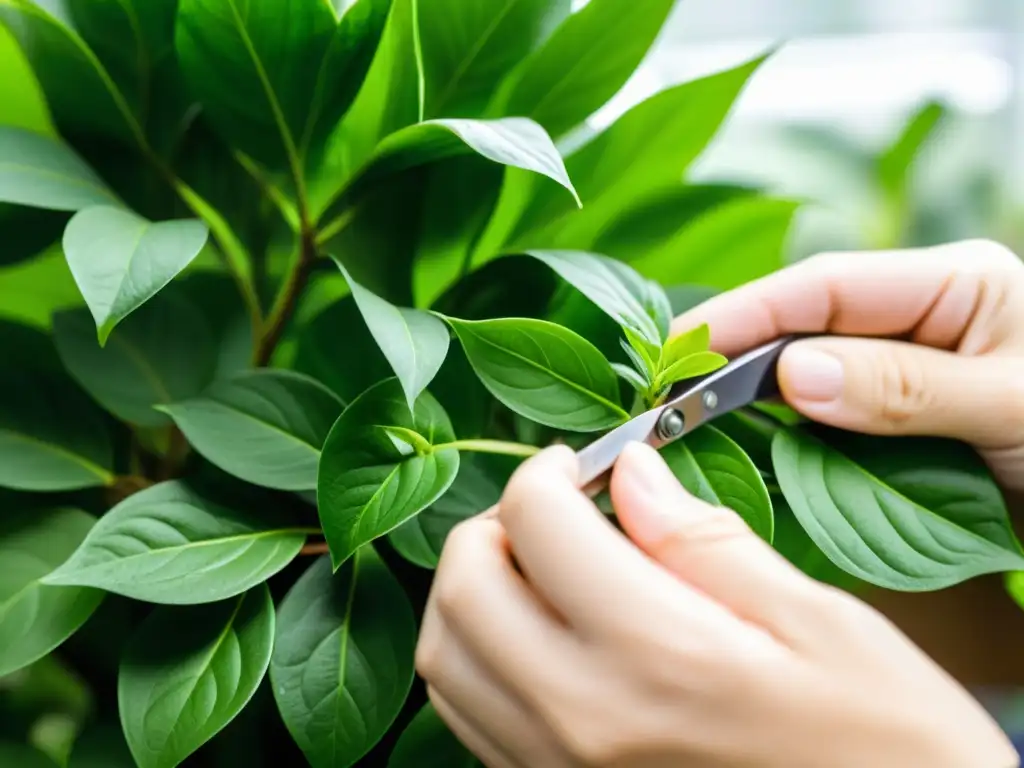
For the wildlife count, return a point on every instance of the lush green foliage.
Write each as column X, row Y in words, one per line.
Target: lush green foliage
column 311, row 278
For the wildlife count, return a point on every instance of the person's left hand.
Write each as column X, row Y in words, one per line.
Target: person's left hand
column 552, row 641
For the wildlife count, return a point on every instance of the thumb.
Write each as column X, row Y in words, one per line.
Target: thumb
column 900, row 388
column 710, row 548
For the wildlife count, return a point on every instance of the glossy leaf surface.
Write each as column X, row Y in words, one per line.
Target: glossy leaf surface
column 427, row 743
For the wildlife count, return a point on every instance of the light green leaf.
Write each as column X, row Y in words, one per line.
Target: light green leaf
column 188, row 671
column 713, row 468
column 895, row 162
column 165, row 352
column 167, row 544
column 908, row 514
column 1015, row 587
column 414, row 342
column 370, row 481
column 35, row 619
column 22, row 104
column 41, row 172
column 644, row 354
column 477, row 487
column 687, row 343
column 544, row 372
column 343, row 658
column 697, row 364
column 121, row 260
column 264, row 426
column 465, row 60
column 427, row 743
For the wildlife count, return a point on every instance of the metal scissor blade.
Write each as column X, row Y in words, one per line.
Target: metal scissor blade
column 597, row 459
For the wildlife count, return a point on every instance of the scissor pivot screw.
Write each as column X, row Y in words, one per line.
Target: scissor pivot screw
column 671, row 425
column 710, row 400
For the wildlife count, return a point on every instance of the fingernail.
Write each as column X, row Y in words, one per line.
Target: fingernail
column 813, row 374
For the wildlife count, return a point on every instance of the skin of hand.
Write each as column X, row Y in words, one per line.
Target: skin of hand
column 553, row 640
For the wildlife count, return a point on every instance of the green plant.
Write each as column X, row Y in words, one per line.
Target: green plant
column 332, row 281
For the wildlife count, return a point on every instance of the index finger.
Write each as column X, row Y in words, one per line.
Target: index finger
column 930, row 294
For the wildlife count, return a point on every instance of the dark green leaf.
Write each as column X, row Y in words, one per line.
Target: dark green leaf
column 753, row 432
column 427, row 743
column 464, row 398
column 101, row 745
column 163, row 353
column 265, row 427
column 382, row 464
column 477, row 487
column 343, row 658
column 216, row 296
column 121, row 260
column 22, row 756
column 414, row 342
column 512, row 286
column 543, row 371
column 41, row 172
column 188, row 671
column 465, row 60
column 170, row 545
column 713, row 468
column 35, row 619
column 907, row 514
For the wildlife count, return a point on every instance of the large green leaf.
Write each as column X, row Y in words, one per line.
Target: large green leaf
column 728, row 246
column 543, row 372
column 170, row 545
column 714, row 468
column 265, row 427
column 907, row 514
column 414, row 342
column 477, row 487
column 343, row 658
column 165, row 352
column 189, row 670
column 41, row 172
column 427, row 743
column 35, row 619
column 121, row 260
column 585, row 62
column 22, row 104
column 382, row 463
column 469, row 46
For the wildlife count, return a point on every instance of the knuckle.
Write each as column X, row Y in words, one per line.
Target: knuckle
column 454, row 587
column 716, row 526
column 901, row 389
column 990, row 254
column 522, row 492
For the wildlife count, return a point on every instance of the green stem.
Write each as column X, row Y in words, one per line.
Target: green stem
column 501, row 447
column 287, row 300
column 274, row 194
column 335, row 226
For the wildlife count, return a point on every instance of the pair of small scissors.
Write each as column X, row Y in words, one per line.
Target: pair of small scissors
column 690, row 404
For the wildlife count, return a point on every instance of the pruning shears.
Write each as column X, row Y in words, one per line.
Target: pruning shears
column 690, row 404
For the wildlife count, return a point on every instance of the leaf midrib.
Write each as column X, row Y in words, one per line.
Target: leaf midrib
column 346, row 621
column 95, row 469
column 273, row 427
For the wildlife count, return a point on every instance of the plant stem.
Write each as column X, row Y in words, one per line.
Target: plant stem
column 318, row 548
column 275, row 195
column 287, row 299
column 335, row 225
column 501, row 447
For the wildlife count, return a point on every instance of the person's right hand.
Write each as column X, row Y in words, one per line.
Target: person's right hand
column 956, row 370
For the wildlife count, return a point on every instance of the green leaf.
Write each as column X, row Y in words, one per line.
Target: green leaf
column 895, row 162
column 464, row 61
column 632, row 376
column 427, row 743
column 22, row 756
column 543, row 372
column 687, row 343
column 101, row 745
column 265, row 427
column 121, row 260
column 713, row 468
column 343, row 658
column 414, row 342
column 216, row 295
column 370, row 481
column 35, row 619
column 585, row 62
column 907, row 514
column 163, row 353
column 51, row 437
column 601, row 280
column 691, row 366
column 1015, row 587
column 643, row 354
column 477, row 487
column 188, row 671
column 41, row 172
column 22, row 104
column 730, row 245
column 167, row 544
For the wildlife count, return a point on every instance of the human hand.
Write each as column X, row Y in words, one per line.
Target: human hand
column 958, row 371
column 551, row 641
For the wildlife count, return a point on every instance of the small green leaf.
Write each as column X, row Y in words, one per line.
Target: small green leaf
column 164, row 352
column 170, row 545
column 427, row 743
column 264, row 426
column 41, row 172
column 895, row 163
column 634, row 378
column 189, row 670
column 120, row 260
column 713, row 468
column 685, row 344
column 644, row 354
column 414, row 342
column 1015, row 587
column 35, row 619
column 368, row 485
column 544, row 372
column 697, row 364
column 908, row 514
column 343, row 658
